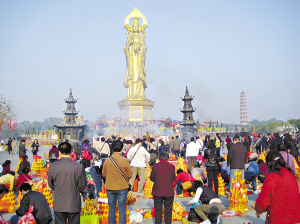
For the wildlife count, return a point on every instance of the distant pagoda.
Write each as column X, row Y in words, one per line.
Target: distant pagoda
column 188, row 110
column 243, row 109
column 72, row 127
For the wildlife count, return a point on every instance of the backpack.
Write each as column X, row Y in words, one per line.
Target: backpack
column 184, row 145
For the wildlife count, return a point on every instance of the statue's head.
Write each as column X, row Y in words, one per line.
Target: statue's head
column 135, row 25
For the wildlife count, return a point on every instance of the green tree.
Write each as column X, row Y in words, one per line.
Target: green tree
column 221, row 125
column 209, row 124
column 217, row 124
column 295, row 122
column 235, row 127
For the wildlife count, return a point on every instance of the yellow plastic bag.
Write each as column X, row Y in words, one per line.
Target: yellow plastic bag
column 89, row 219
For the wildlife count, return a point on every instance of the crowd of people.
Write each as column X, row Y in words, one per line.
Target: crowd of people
column 119, row 163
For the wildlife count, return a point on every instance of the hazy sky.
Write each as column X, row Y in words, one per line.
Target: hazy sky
column 216, row 48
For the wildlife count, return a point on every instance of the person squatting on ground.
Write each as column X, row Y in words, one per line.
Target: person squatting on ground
column 280, row 192
column 68, row 180
column 115, row 183
column 263, row 170
column 163, row 175
column 197, row 171
column 41, row 212
column 6, row 167
column 24, row 177
column 212, row 155
column 181, row 177
column 8, row 179
column 192, row 152
column 138, row 156
column 210, row 203
column 23, row 164
column 252, row 170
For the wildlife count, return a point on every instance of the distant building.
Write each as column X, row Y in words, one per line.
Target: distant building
column 72, row 127
column 210, row 122
column 243, row 110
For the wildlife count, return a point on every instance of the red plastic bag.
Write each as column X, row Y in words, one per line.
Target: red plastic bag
column 3, row 221
column 28, row 218
column 86, row 155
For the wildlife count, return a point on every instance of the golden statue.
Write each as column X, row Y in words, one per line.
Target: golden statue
column 135, row 106
column 135, row 52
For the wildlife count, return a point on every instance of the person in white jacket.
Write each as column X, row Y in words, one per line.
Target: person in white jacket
column 138, row 157
column 192, row 152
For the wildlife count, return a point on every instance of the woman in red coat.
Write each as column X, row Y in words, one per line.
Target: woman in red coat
column 280, row 193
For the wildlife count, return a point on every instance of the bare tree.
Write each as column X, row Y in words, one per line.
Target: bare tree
column 7, row 110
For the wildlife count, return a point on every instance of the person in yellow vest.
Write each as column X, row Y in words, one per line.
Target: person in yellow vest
column 218, row 141
column 8, row 179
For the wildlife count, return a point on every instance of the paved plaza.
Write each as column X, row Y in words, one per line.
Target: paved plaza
column 148, row 203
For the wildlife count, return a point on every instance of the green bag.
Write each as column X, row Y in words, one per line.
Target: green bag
column 89, row 219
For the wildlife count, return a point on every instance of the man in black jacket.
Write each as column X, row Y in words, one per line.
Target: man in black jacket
column 275, row 142
column 67, row 179
column 41, row 212
column 22, row 148
column 236, row 159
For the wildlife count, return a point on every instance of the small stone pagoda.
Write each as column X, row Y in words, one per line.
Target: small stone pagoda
column 72, row 127
column 188, row 110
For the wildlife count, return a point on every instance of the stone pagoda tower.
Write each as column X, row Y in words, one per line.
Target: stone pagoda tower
column 188, row 110
column 243, row 109
column 72, row 127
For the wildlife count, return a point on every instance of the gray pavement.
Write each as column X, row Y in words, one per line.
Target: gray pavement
column 148, row 203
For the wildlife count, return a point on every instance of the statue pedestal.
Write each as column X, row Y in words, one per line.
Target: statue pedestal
column 135, row 110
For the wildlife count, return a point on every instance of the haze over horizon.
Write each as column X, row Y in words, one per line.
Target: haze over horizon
column 215, row 48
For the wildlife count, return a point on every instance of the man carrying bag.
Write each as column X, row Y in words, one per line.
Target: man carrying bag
column 117, row 172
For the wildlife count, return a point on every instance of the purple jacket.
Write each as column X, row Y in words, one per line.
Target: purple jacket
column 163, row 175
column 291, row 162
column 83, row 147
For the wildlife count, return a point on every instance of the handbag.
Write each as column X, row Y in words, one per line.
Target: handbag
column 86, row 155
column 116, row 165
column 187, row 184
column 193, row 216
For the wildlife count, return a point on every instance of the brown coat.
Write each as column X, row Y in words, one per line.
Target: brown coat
column 113, row 178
